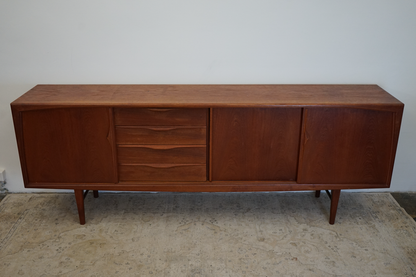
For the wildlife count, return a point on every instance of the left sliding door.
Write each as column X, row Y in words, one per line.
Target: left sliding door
column 68, row 145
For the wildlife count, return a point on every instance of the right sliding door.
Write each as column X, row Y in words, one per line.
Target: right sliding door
column 346, row 146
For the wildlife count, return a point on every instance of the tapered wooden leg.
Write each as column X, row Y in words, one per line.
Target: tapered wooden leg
column 95, row 192
column 335, row 193
column 79, row 197
column 317, row 193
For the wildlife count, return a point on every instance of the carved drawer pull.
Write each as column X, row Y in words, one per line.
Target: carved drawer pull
column 160, row 110
column 162, row 128
column 165, row 166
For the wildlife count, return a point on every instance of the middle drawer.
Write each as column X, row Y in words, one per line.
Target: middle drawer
column 160, row 135
column 162, row 154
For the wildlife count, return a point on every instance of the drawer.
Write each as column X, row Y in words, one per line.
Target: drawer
column 160, row 117
column 161, row 154
column 160, row 135
column 162, row 173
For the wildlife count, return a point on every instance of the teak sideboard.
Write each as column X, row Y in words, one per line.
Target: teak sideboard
column 207, row 138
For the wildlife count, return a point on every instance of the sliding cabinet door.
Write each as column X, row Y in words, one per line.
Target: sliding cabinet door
column 346, row 146
column 255, row 144
column 68, row 145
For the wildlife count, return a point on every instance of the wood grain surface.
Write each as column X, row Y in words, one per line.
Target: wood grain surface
column 346, row 146
column 165, row 154
column 68, row 145
column 160, row 135
column 255, row 143
column 160, row 117
column 160, row 96
column 163, row 172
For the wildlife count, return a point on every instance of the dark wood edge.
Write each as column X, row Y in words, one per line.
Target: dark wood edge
column 215, row 186
column 303, row 137
column 161, row 127
column 162, row 146
column 375, row 106
column 209, row 145
column 302, row 111
column 112, row 141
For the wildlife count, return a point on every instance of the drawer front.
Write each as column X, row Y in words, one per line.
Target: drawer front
column 155, row 154
column 162, row 173
column 160, row 117
column 160, row 135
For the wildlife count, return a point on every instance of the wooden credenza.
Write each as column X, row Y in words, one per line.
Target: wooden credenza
column 207, row 138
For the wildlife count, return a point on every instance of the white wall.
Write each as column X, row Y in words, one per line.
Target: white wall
column 209, row 42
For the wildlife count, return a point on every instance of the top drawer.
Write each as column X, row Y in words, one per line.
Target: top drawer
column 160, row 117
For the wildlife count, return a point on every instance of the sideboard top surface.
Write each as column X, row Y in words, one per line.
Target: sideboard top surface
column 208, row 96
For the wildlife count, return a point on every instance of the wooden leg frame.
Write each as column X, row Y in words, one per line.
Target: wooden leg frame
column 333, row 195
column 79, row 197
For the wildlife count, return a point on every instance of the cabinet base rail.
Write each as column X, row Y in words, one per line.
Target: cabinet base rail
column 80, row 195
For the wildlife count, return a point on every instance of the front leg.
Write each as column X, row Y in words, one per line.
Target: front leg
column 335, row 193
column 79, row 197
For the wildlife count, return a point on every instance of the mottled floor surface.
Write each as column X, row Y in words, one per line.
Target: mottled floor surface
column 206, row 234
column 407, row 201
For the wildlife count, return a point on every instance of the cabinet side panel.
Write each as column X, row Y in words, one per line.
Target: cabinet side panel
column 255, row 144
column 346, row 146
column 17, row 121
column 68, row 145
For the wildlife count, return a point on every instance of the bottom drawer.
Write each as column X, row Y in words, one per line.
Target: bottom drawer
column 162, row 173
